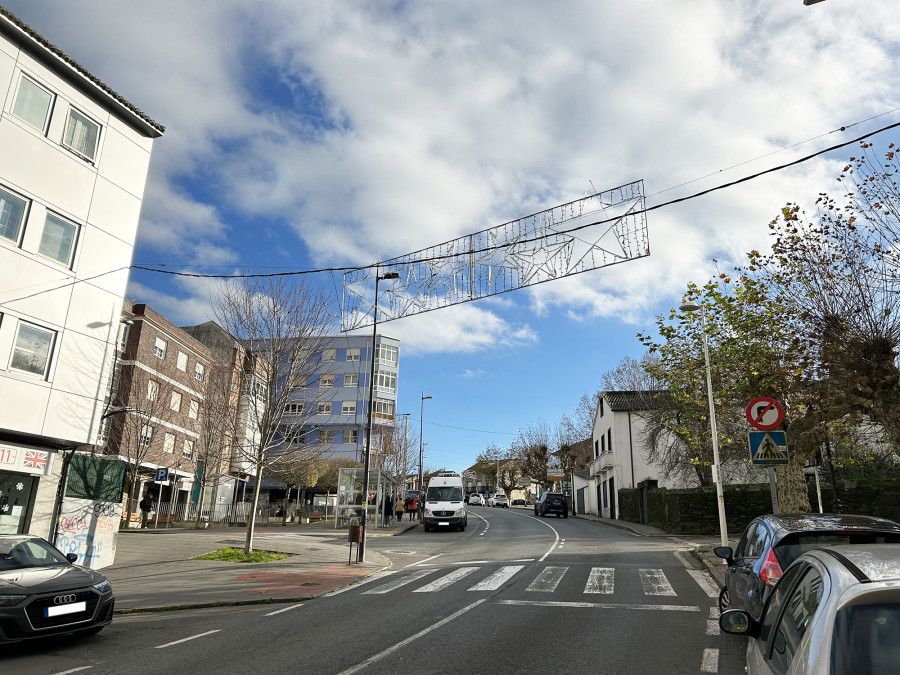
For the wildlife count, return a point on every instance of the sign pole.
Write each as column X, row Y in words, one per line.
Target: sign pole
column 773, row 488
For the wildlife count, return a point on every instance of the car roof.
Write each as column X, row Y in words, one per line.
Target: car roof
column 875, row 562
column 786, row 523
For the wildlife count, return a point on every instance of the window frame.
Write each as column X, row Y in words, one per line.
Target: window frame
column 382, row 353
column 152, row 390
column 194, row 409
column 175, row 400
column 352, row 437
column 326, row 437
column 76, row 232
column 17, row 242
column 354, row 377
column 352, row 354
column 169, row 445
column 145, row 438
column 51, row 346
column 70, row 146
column 326, row 380
column 180, row 363
column 293, row 408
column 160, row 352
column 386, row 381
column 199, row 371
column 323, row 408
column 187, row 448
column 348, row 408
column 26, row 78
column 329, row 355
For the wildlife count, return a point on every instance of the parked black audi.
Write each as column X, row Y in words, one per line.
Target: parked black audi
column 43, row 593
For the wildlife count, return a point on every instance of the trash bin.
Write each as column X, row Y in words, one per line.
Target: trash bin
column 355, row 534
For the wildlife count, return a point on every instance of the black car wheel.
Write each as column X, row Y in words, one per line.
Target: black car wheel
column 724, row 600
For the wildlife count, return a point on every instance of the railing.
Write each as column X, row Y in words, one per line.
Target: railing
column 602, row 463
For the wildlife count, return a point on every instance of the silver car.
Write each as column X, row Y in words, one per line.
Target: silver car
column 836, row 610
column 500, row 500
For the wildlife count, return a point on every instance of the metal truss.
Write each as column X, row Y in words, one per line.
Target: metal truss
column 596, row 231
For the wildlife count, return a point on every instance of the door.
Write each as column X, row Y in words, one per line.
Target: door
column 16, row 495
column 612, row 497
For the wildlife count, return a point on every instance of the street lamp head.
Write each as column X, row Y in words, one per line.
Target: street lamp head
column 689, row 307
column 425, row 398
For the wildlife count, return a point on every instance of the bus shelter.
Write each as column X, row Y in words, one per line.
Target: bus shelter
column 381, row 494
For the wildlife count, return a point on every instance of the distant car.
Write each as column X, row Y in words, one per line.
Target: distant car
column 518, row 502
column 771, row 543
column 476, row 499
column 552, row 502
column 835, row 610
column 43, row 593
column 500, row 500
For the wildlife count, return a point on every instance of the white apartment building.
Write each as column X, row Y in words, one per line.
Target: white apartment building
column 74, row 157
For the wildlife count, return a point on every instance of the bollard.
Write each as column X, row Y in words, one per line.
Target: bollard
column 354, row 535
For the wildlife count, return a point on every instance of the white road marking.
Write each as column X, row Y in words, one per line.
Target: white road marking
column 422, row 562
column 714, row 613
column 712, row 627
column 655, row 583
column 704, row 582
column 547, row 580
column 187, row 639
column 354, row 586
column 497, row 579
column 710, row 662
column 600, row 605
column 487, row 524
column 555, row 541
column 75, row 670
column 397, row 583
column 446, row 580
column 403, row 643
column 601, row 580
column 286, row 609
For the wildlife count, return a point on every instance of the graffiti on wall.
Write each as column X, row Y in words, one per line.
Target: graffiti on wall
column 89, row 529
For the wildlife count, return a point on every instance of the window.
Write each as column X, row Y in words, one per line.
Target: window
column 601, row 406
column 294, row 435
column 103, row 432
column 387, row 355
column 298, row 381
column 326, row 380
column 353, row 354
column 31, row 353
column 603, row 445
column 123, row 336
column 293, row 409
column 386, row 382
column 351, row 380
column 194, row 410
column 329, row 354
column 799, row 611
column 152, row 390
column 58, row 240
column 146, row 435
column 351, row 436
column 159, row 348
column 169, row 443
column 188, row 448
column 326, row 437
column 324, row 408
column 12, row 215
column 33, row 104
column 609, row 447
column 181, row 362
column 384, row 409
column 199, row 372
column 596, row 448
column 175, row 401
column 348, row 408
column 81, row 135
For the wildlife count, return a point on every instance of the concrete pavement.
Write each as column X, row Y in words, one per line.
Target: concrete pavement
column 155, row 569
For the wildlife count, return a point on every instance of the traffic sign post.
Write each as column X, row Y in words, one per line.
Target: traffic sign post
column 765, row 413
column 162, row 474
column 768, row 448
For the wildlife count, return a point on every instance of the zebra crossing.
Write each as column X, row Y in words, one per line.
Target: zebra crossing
column 599, row 580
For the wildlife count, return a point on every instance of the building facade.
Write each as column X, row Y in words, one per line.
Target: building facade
column 74, row 157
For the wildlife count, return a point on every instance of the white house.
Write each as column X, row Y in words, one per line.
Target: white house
column 74, row 157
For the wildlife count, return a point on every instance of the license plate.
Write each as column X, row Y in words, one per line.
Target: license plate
column 444, row 522
column 72, row 608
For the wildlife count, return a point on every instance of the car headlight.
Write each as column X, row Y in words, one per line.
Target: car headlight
column 461, row 512
column 10, row 600
column 427, row 512
column 104, row 586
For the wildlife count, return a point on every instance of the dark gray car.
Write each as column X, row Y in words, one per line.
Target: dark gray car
column 43, row 593
column 771, row 543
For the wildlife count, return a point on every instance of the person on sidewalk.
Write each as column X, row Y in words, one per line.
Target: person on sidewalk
column 386, row 510
column 398, row 509
column 146, row 505
column 412, row 506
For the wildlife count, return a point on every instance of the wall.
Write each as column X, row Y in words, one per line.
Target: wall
column 89, row 529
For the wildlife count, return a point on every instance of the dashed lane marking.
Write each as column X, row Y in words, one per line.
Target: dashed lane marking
column 710, row 662
column 188, row 639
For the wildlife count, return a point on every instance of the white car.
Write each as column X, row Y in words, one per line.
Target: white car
column 499, row 499
column 476, row 500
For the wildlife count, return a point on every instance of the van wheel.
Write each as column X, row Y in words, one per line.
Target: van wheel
column 566, row 516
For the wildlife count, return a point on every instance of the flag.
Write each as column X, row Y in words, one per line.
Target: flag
column 35, row 459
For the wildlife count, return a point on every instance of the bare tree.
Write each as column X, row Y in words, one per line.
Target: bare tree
column 295, row 470
column 283, row 323
column 216, row 429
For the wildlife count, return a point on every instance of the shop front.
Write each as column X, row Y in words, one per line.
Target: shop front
column 21, row 469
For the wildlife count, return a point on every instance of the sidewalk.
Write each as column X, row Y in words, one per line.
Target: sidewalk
column 155, row 570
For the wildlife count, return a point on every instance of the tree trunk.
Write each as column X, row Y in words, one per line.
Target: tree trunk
column 251, row 522
column 286, row 505
column 793, row 496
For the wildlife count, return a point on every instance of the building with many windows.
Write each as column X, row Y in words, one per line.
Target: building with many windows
column 74, row 157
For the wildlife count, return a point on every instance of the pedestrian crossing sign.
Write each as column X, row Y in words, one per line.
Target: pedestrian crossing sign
column 768, row 447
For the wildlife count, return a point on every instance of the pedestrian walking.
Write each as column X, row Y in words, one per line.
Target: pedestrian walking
column 386, row 510
column 412, row 506
column 146, row 505
column 398, row 509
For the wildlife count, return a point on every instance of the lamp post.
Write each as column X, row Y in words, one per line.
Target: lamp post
column 717, row 474
column 421, row 439
column 361, row 547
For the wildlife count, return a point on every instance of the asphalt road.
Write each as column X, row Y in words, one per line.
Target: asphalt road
column 511, row 594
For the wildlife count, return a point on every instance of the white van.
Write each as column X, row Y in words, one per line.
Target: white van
column 445, row 504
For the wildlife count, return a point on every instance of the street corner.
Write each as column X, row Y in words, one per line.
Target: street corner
column 296, row 584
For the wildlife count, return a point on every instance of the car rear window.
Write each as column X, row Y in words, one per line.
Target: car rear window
column 865, row 639
column 793, row 546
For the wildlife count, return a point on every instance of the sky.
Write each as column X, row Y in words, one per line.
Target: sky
column 305, row 135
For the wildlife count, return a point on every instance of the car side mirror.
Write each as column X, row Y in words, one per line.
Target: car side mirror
column 726, row 553
column 738, row 622
column 71, row 557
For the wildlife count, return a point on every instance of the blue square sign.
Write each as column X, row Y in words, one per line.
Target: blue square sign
column 768, row 447
column 162, row 474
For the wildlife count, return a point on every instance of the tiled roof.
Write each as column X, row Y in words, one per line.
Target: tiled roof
column 621, row 401
column 64, row 58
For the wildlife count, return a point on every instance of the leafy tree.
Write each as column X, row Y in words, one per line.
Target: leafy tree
column 295, row 470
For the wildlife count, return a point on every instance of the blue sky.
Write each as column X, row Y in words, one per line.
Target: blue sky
column 304, row 135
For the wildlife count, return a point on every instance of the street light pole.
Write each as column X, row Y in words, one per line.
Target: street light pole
column 361, row 547
column 421, row 448
column 717, row 473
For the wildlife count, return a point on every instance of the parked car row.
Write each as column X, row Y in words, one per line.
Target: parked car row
column 815, row 594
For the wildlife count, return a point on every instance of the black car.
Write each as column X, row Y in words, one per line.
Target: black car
column 43, row 593
column 552, row 502
column 771, row 543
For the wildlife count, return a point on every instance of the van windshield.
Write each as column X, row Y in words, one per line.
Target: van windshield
column 445, row 493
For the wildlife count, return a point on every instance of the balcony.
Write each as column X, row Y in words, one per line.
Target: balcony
column 603, row 463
